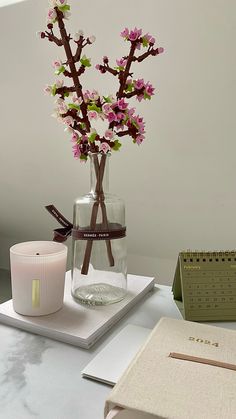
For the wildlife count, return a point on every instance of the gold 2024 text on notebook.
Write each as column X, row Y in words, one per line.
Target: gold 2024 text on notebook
column 166, row 387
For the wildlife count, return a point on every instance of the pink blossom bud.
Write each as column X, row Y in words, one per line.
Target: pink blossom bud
column 41, row 34
column 47, row 89
column 92, row 115
column 122, row 62
column 61, row 2
column 74, row 137
column 68, row 120
column 78, row 35
column 109, row 134
column 104, row 148
column 139, row 139
column 139, row 84
column 51, row 16
column 125, row 33
column 57, row 64
column 59, row 83
column 106, row 108
column 92, row 39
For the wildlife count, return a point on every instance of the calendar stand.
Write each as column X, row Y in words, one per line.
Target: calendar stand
column 204, row 286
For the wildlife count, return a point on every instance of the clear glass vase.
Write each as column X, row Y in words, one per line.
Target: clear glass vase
column 99, row 265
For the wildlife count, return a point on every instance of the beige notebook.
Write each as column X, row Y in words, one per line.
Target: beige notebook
column 159, row 386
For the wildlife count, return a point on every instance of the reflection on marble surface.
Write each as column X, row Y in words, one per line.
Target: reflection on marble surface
column 23, row 351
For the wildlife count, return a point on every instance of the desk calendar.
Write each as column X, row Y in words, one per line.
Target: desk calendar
column 204, row 286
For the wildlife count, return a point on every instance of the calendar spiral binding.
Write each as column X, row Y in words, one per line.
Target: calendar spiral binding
column 208, row 254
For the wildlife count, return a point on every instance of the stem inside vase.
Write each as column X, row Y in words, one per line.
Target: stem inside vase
column 99, row 201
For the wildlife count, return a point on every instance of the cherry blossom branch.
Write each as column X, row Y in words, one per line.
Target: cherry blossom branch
column 71, row 63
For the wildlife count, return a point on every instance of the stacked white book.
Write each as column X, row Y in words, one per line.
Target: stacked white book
column 76, row 324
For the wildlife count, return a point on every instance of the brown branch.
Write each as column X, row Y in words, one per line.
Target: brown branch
column 150, row 51
column 52, row 38
column 123, row 76
column 79, row 49
column 67, row 73
column 62, row 90
column 122, row 133
column 136, row 92
column 71, row 63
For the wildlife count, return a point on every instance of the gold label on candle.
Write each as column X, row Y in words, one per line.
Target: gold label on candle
column 35, row 293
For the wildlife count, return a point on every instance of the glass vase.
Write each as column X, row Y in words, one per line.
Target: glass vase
column 99, row 265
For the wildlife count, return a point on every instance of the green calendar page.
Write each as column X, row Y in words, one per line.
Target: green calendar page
column 204, row 286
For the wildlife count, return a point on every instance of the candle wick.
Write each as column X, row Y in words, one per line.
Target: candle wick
column 37, row 253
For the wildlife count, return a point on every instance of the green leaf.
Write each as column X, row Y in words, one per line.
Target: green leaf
column 92, row 137
column 83, row 126
column 145, row 42
column 94, row 107
column 64, row 8
column 134, row 123
column 107, row 99
column 129, row 88
column 116, row 145
column 54, row 89
column 60, row 70
column 146, row 96
column 119, row 68
column 73, row 106
column 85, row 61
column 66, row 94
column 83, row 157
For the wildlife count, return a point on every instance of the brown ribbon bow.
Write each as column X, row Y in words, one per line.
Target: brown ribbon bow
column 60, row 234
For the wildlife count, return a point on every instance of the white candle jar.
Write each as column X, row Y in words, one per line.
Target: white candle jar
column 38, row 271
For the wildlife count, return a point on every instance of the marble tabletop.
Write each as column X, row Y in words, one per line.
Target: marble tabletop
column 41, row 378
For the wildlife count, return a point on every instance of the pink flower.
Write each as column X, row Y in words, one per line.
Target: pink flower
column 61, row 2
column 51, row 16
column 140, row 97
column 57, row 64
column 109, row 134
column 68, row 120
column 135, row 34
column 92, row 115
column 125, row 33
column 160, row 50
column 74, row 137
column 76, row 151
column 149, row 89
column 62, row 108
column 111, row 117
column 59, row 83
column 130, row 112
column 120, row 116
column 122, row 105
column 122, row 62
column 139, row 84
column 149, row 38
column 104, row 147
column 94, row 95
column 76, row 100
column 139, row 139
column 106, row 108
column 47, row 89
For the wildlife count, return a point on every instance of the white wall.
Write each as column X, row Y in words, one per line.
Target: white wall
column 179, row 186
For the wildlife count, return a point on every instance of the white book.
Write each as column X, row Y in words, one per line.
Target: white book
column 74, row 323
column 122, row 348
